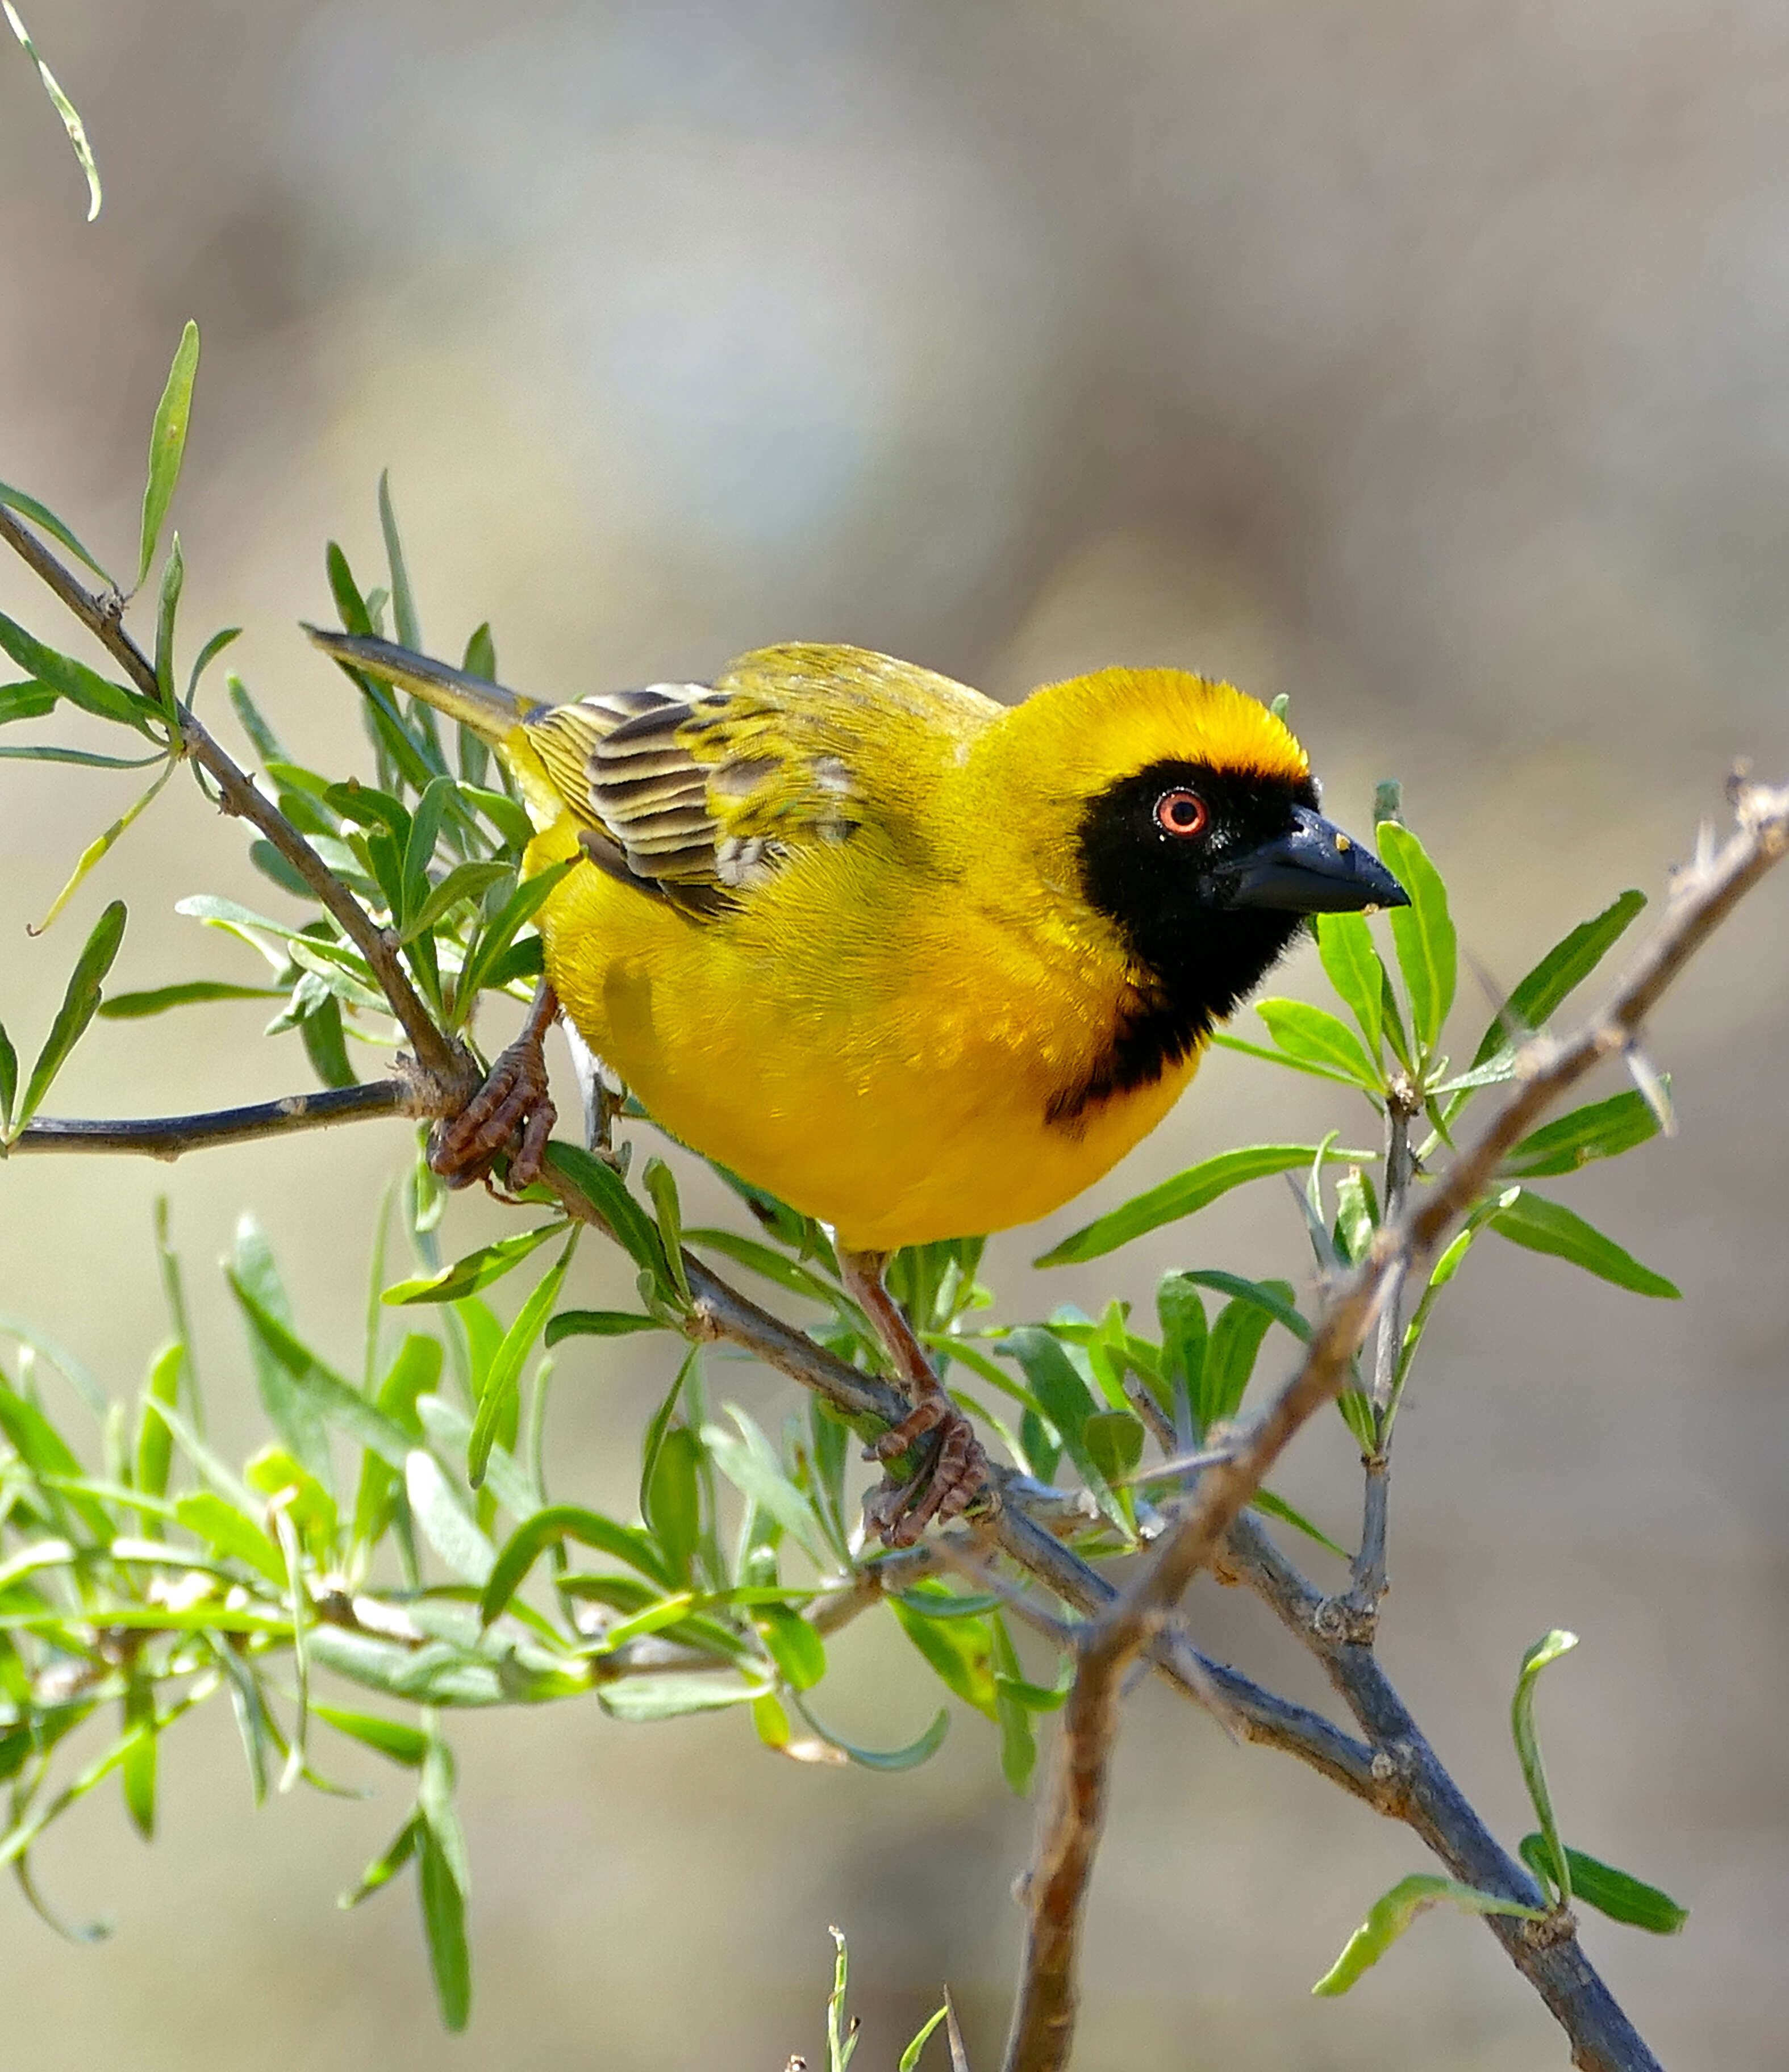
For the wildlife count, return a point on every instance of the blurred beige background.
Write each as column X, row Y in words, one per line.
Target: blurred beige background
column 1426, row 364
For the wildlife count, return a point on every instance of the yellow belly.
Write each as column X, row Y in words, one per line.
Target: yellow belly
column 892, row 1079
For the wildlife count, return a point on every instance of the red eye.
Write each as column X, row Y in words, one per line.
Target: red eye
column 1182, row 813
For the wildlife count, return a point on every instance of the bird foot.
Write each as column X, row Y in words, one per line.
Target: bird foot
column 514, row 1099
column 954, row 1475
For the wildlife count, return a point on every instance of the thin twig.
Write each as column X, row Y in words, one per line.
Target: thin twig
column 170, row 1137
column 1368, row 1582
column 449, row 1066
column 1068, row 1832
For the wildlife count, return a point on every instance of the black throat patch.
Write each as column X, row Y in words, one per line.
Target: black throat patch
column 1197, row 959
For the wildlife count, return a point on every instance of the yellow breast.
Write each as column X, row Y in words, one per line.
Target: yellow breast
column 878, row 1044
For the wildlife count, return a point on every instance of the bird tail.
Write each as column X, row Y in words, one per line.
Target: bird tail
column 491, row 712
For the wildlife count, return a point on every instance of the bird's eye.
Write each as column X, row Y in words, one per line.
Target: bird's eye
column 1182, row 813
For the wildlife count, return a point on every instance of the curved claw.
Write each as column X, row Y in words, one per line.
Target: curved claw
column 515, row 1097
column 952, row 1479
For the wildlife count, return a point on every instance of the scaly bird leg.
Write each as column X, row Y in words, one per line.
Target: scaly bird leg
column 957, row 1472
column 514, row 1098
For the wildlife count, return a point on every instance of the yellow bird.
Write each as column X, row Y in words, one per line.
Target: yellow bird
column 919, row 964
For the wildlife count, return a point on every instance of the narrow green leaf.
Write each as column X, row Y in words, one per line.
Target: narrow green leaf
column 136, row 1006
column 167, row 445
column 910, row 1757
column 642, row 1699
column 909, row 2058
column 1351, row 962
column 235, row 1535
column 383, row 1869
column 1318, row 1037
column 404, row 618
column 1602, row 1129
column 9, row 1078
column 77, row 137
column 562, row 1521
column 1423, row 932
column 505, row 1374
column 1549, row 1226
column 1271, row 1506
column 174, row 581
column 1236, row 1342
column 154, row 1441
column 478, row 1269
column 480, row 661
column 661, row 1185
column 1115, row 1440
column 393, row 1738
column 1068, row 1402
column 673, row 1499
column 763, row 1258
column 444, row 1522
column 1394, row 1911
column 1564, row 968
column 599, row 1324
column 255, row 1280
column 797, row 1649
column 960, row 1651
column 1196, row 1188
column 209, row 654
column 137, row 1771
column 80, row 1003
column 75, row 682
column 1547, row 1649
column 1620, row 1894
column 46, row 520
column 29, row 699
column 444, row 1924
column 102, row 843
column 750, row 1462
column 606, row 1192
column 248, row 712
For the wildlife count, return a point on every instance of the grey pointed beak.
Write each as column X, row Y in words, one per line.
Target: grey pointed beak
column 1316, row 868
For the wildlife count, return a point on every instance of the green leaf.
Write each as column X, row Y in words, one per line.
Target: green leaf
column 1319, row 1038
column 80, row 1003
column 1351, row 962
column 599, row 1324
column 1394, row 1911
column 1620, row 1894
column 774, row 1266
column 1550, row 1226
column 382, row 1869
column 404, row 618
column 444, row 1923
column 505, row 1374
column 793, row 1645
column 136, row 1006
column 174, row 581
column 26, row 700
column 1235, row 1344
column 1115, row 1440
column 75, row 682
column 909, row 2058
column 478, row 1269
column 606, row 1192
column 750, row 1462
column 661, row 1185
column 1196, row 1188
column 1602, row 1129
column 209, row 654
column 445, row 1521
column 646, row 1698
column 72, row 123
column 1068, row 1403
column 167, row 445
column 910, row 1757
column 564, row 1521
column 466, row 882
column 394, row 1738
column 46, row 520
column 102, row 843
column 1547, row 1649
column 9, row 1078
column 235, row 1535
column 499, row 933
column 154, row 1441
column 1185, row 1332
column 960, row 1650
column 1565, row 967
column 1271, row 1506
column 1423, row 932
